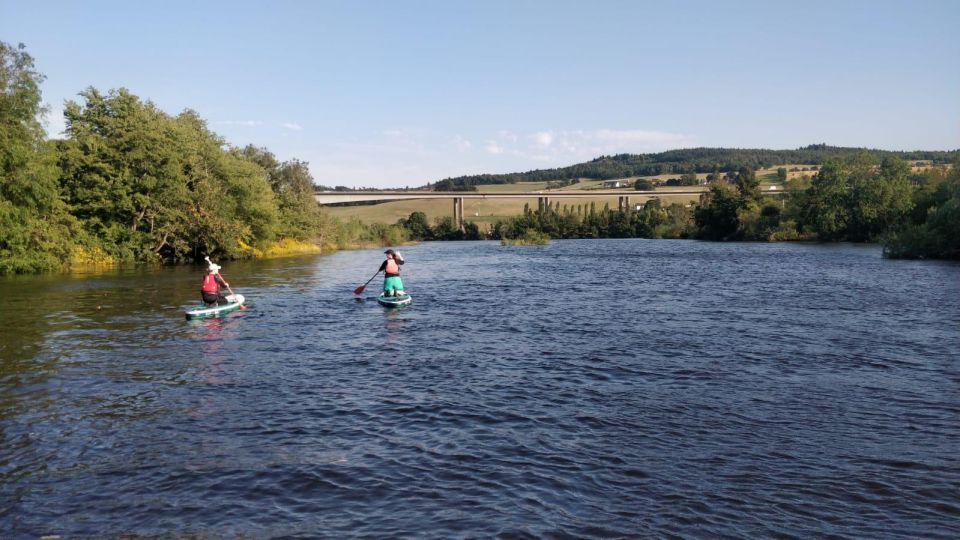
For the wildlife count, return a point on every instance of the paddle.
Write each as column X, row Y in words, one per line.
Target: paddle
column 232, row 293
column 360, row 289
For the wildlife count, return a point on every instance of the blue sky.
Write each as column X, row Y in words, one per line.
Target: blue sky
column 393, row 94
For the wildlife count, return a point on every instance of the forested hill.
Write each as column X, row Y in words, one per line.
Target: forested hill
column 700, row 160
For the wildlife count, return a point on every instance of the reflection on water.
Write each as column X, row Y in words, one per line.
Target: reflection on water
column 616, row 388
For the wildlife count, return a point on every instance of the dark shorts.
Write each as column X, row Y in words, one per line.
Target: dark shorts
column 213, row 298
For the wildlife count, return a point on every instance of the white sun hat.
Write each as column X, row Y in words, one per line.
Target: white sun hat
column 213, row 266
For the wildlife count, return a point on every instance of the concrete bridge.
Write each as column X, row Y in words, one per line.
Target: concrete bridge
column 543, row 197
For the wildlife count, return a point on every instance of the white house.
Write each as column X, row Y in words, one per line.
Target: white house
column 612, row 183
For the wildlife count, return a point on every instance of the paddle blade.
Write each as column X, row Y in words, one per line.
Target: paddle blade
column 359, row 289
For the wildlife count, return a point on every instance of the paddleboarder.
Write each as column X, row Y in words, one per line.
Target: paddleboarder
column 392, row 285
column 212, row 281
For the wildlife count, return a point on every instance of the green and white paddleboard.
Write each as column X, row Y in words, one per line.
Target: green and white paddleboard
column 234, row 302
column 394, row 301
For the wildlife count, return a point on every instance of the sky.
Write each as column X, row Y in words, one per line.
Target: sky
column 395, row 94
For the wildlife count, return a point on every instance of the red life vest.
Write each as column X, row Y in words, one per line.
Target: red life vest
column 392, row 269
column 210, row 284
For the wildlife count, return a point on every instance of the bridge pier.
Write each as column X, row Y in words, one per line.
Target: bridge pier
column 623, row 203
column 543, row 203
column 458, row 212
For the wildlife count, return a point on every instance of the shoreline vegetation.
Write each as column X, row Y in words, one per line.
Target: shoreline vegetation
column 530, row 237
column 131, row 184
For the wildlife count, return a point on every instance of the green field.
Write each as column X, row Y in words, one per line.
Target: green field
column 485, row 212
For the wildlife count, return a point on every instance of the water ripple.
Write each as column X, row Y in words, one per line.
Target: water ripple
column 585, row 389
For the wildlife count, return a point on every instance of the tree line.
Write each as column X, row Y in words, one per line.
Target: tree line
column 698, row 160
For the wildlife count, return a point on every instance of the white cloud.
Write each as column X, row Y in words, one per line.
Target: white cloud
column 640, row 138
column 494, row 148
column 413, row 155
column 542, row 138
column 461, row 144
column 582, row 145
column 293, row 125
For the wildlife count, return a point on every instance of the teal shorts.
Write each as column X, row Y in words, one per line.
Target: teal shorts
column 392, row 283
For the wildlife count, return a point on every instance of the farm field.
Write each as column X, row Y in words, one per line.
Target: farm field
column 485, row 212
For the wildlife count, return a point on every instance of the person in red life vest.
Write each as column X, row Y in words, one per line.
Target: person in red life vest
column 392, row 286
column 210, row 290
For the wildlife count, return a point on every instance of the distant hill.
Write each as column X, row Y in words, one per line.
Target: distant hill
column 698, row 160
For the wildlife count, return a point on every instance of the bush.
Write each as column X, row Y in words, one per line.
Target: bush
column 642, row 184
column 531, row 237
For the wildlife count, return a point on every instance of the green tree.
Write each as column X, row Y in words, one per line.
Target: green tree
column 826, row 211
column 151, row 186
column 857, row 201
column 879, row 200
column 689, row 179
column 938, row 235
column 471, row 231
column 717, row 216
column 417, row 226
column 37, row 232
column 122, row 173
column 643, row 184
column 299, row 214
column 445, row 229
column 748, row 186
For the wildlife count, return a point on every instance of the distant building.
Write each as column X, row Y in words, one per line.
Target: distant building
column 612, row 183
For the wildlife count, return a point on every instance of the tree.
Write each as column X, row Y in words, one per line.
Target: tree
column 37, row 231
column 293, row 186
column 748, row 185
column 857, row 201
column 417, row 226
column 122, row 172
column 879, row 200
column 446, row 229
column 643, row 184
column 938, row 236
column 717, row 216
column 471, row 231
column 148, row 185
column 826, row 212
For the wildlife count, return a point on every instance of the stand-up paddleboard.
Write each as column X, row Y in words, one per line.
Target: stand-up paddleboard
column 394, row 301
column 234, row 302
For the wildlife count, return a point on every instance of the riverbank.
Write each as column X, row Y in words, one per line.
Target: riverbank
column 84, row 261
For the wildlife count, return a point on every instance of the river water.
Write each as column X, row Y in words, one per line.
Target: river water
column 588, row 388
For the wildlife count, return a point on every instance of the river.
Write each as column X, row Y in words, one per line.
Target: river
column 588, row 388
